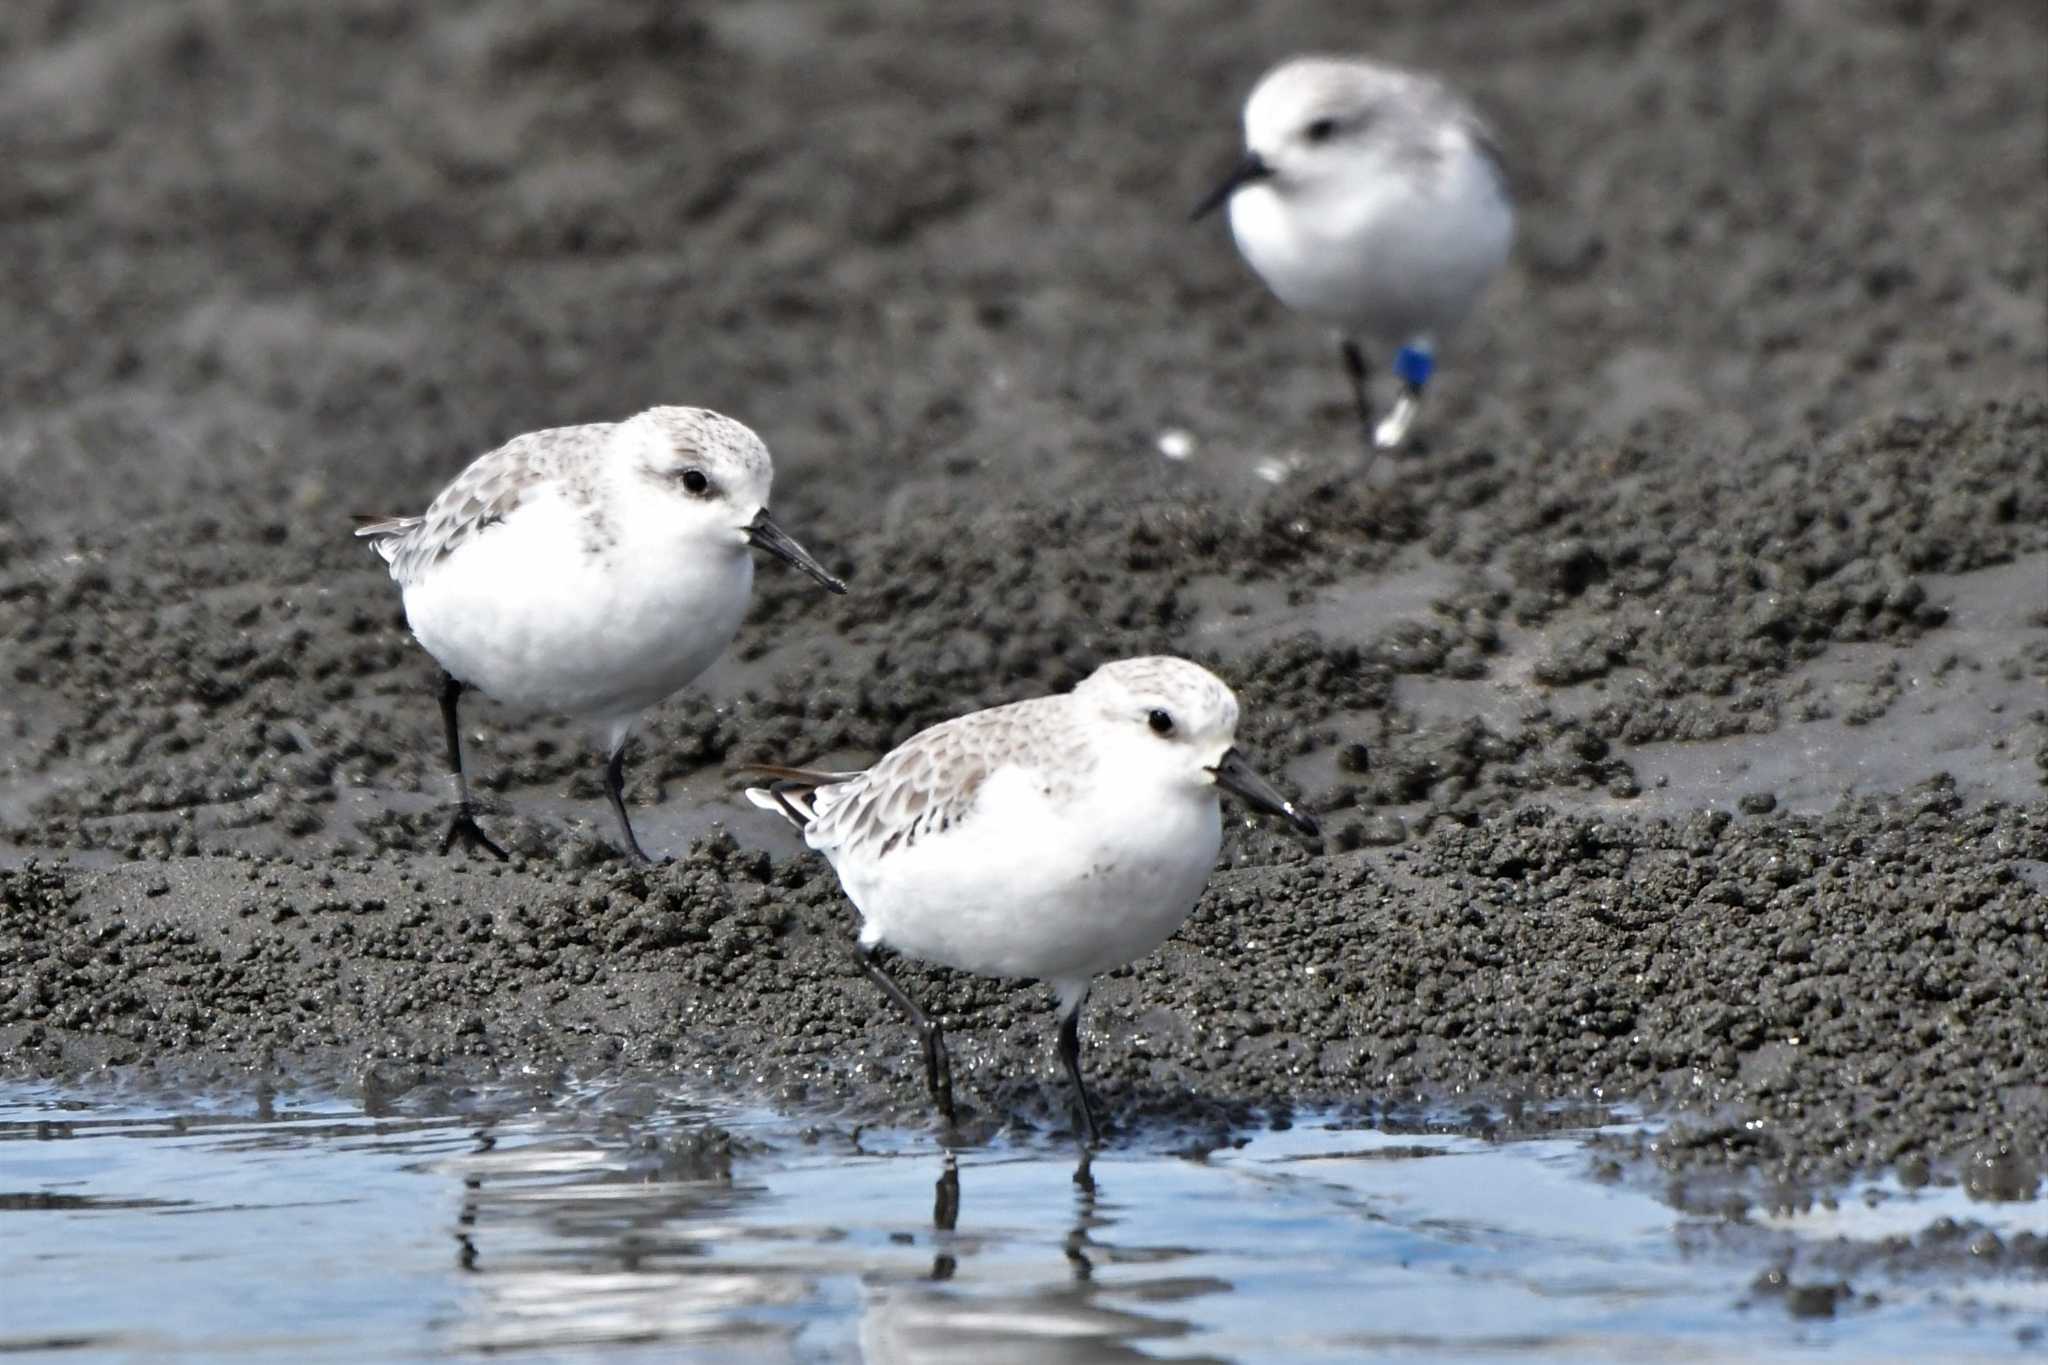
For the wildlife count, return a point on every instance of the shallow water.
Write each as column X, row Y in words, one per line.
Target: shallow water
column 629, row 1223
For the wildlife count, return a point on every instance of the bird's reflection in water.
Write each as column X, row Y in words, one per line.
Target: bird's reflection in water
column 1084, row 1215
column 1007, row 1312
column 575, row 1238
column 472, row 1190
column 946, row 1216
column 578, row 1239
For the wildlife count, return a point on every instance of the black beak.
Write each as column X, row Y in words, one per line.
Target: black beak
column 764, row 534
column 1248, row 171
column 1235, row 776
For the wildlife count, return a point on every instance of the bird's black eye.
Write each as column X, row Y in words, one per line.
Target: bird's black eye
column 1161, row 723
column 695, row 482
column 1322, row 130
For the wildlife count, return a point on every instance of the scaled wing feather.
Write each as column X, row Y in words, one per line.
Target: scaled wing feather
column 481, row 496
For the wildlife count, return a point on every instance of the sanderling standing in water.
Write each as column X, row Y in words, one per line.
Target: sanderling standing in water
column 589, row 570
column 1374, row 200
column 1053, row 838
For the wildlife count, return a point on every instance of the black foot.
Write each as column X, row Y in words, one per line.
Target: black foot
column 1091, row 1131
column 463, row 827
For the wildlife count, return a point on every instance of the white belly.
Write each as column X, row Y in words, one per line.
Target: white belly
column 1025, row 888
column 1377, row 263
column 527, row 614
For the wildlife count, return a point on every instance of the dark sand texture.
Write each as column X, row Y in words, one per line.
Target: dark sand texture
column 1702, row 651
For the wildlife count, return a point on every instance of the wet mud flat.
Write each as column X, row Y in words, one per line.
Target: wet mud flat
column 1701, row 654
column 1826, row 990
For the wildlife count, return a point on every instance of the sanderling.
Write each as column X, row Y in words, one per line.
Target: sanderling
column 590, row 571
column 1053, row 838
column 1374, row 200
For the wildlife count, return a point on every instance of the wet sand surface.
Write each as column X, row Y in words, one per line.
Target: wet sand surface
column 1701, row 651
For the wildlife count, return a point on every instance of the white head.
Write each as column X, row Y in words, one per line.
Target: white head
column 1178, row 723
column 1324, row 125
column 711, row 477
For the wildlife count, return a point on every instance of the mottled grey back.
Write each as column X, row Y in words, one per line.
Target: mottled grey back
column 485, row 493
column 931, row 781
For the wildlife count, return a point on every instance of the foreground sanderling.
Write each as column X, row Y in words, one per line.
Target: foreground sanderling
column 1053, row 838
column 1374, row 200
column 590, row 571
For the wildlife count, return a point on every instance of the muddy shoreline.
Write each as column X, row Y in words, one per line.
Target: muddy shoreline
column 1707, row 703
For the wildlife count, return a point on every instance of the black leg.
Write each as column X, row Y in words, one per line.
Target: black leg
column 938, row 1068
column 1360, row 375
column 1070, row 1058
column 463, row 826
column 615, row 792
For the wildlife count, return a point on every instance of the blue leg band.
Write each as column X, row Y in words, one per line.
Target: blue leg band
column 1414, row 365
